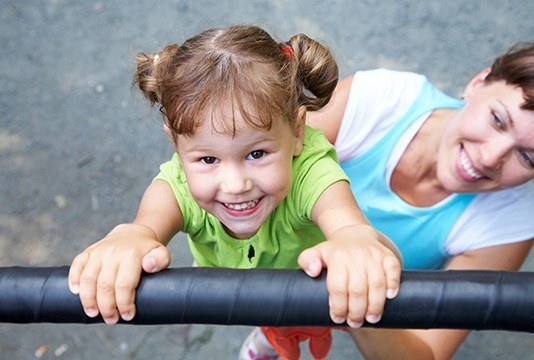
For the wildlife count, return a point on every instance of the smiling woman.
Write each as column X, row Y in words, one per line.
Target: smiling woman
column 449, row 181
column 490, row 141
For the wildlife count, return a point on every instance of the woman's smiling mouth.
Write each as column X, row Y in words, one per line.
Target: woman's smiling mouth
column 466, row 169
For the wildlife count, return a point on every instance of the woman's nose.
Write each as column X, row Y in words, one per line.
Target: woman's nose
column 496, row 152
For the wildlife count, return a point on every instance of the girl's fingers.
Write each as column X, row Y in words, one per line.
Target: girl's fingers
column 336, row 283
column 105, row 291
column 88, row 283
column 376, row 280
column 75, row 271
column 357, row 298
column 126, row 283
column 392, row 268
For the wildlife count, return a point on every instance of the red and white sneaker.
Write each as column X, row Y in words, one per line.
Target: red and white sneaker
column 257, row 347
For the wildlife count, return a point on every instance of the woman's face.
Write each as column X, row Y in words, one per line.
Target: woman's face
column 489, row 143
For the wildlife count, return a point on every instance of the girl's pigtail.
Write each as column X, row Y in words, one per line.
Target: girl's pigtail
column 150, row 69
column 317, row 71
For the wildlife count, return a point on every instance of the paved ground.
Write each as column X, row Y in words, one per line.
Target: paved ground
column 78, row 145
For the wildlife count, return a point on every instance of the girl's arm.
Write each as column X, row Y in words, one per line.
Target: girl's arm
column 438, row 343
column 106, row 274
column 363, row 265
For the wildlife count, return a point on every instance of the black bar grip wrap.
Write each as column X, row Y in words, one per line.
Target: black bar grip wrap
column 467, row 299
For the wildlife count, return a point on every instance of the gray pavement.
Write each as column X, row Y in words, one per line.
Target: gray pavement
column 78, row 145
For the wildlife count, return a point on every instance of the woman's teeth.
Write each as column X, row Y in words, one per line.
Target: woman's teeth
column 466, row 165
column 242, row 206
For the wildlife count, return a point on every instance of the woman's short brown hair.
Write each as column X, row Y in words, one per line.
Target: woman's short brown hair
column 516, row 67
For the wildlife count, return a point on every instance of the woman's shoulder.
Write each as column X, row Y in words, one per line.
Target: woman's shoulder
column 386, row 89
column 507, row 200
column 377, row 99
column 386, row 76
column 494, row 218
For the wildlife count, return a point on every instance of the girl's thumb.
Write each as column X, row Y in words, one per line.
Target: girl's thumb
column 311, row 261
column 157, row 259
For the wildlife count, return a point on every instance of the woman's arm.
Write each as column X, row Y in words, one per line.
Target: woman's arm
column 438, row 343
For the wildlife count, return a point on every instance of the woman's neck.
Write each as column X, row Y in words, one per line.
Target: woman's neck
column 414, row 179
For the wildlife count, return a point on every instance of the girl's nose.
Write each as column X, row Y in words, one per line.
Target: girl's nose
column 235, row 182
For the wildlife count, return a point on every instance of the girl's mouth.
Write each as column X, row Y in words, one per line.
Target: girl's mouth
column 242, row 209
column 242, row 206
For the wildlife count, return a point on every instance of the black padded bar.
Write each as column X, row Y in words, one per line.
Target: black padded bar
column 482, row 300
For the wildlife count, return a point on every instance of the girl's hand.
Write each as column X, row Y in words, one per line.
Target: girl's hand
column 106, row 274
column 364, row 269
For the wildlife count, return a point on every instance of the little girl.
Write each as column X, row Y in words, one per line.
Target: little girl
column 250, row 184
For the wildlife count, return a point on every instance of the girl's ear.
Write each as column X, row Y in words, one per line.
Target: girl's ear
column 167, row 131
column 169, row 134
column 299, row 130
column 476, row 82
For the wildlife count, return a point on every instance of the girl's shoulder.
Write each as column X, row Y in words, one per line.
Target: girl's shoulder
column 173, row 173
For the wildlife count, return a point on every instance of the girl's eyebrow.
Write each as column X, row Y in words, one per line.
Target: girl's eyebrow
column 255, row 140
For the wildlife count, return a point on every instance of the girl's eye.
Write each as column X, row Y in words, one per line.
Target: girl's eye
column 208, row 160
column 527, row 159
column 256, row 154
column 497, row 121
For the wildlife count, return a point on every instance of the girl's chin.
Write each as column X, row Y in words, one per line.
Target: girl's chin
column 241, row 236
column 240, row 232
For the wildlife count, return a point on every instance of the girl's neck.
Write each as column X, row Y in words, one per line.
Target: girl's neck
column 414, row 179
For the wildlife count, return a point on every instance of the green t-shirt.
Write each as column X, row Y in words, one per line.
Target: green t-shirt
column 286, row 232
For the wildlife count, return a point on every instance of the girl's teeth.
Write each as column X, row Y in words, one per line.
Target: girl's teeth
column 466, row 165
column 242, row 206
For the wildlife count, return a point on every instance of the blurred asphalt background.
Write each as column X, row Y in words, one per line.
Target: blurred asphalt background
column 78, row 145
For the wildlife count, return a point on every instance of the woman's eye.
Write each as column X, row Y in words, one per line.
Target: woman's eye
column 256, row 154
column 497, row 121
column 208, row 160
column 527, row 159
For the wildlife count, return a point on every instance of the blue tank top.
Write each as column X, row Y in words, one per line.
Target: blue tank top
column 418, row 232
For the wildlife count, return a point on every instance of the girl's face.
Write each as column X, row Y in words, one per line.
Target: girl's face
column 489, row 143
column 240, row 179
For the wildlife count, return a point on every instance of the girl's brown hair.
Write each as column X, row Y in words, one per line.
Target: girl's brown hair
column 237, row 69
column 516, row 67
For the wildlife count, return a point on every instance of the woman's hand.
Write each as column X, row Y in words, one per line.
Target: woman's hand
column 106, row 274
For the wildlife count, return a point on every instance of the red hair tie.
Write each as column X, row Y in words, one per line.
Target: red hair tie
column 287, row 49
